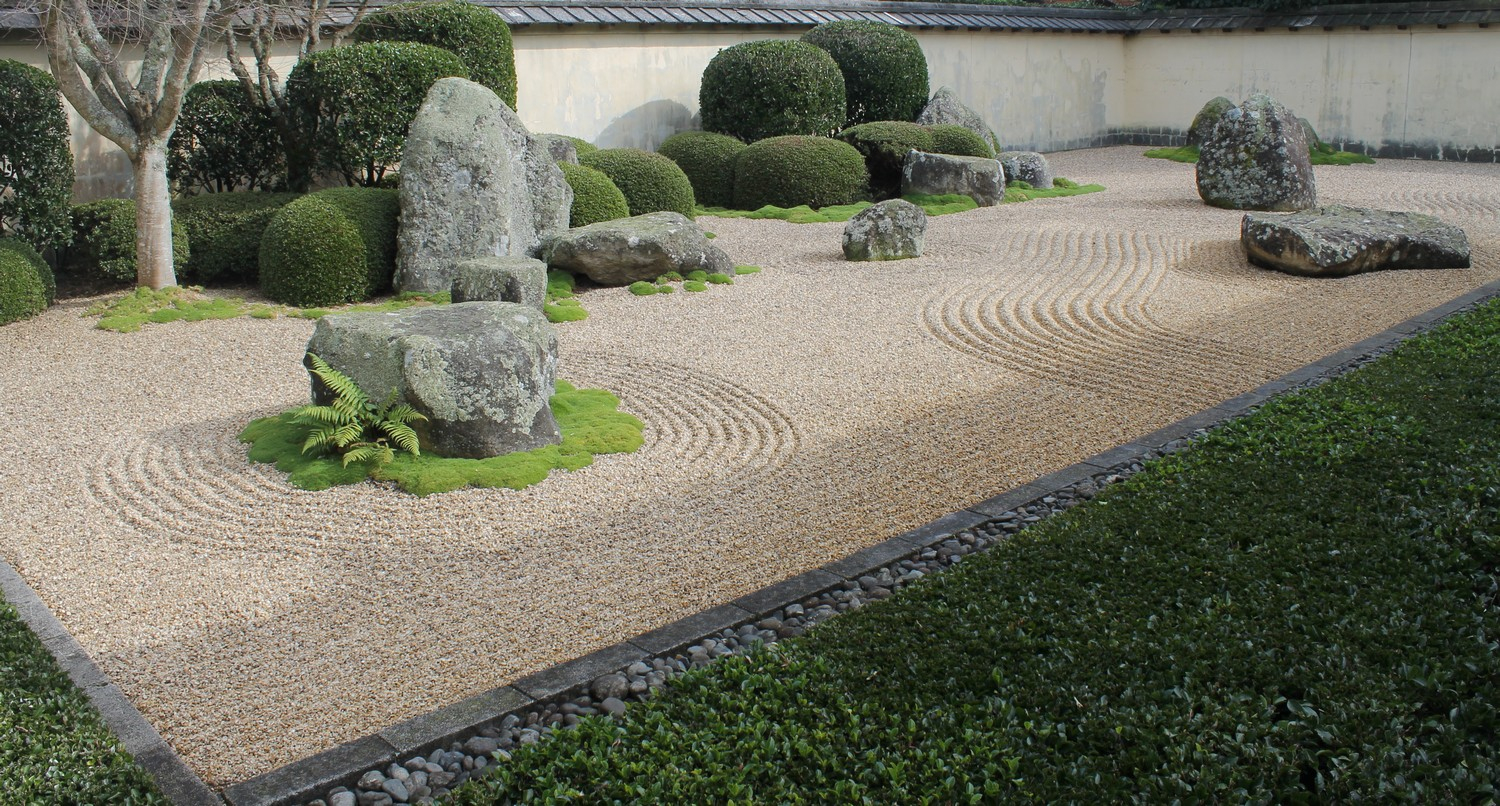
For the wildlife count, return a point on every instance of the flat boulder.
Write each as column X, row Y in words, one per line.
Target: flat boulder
column 890, row 230
column 482, row 372
column 1255, row 158
column 474, row 183
column 940, row 174
column 1336, row 241
column 644, row 247
column 946, row 108
column 501, row 279
column 1026, row 166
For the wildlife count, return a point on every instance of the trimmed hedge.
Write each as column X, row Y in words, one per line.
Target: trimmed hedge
column 376, row 213
column 223, row 232
column 36, row 165
column 224, row 141
column 474, row 33
column 312, row 254
column 650, row 182
column 797, row 170
column 25, row 290
column 884, row 145
column 708, row 161
column 769, row 88
column 884, row 69
column 595, row 196
column 356, row 103
column 581, row 146
column 104, row 242
column 948, row 138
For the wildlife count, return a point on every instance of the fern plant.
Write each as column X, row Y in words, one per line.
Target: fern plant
column 352, row 426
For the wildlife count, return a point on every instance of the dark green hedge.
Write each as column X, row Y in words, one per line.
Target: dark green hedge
column 312, row 254
column 795, row 170
column 36, row 165
column 769, row 88
column 582, row 147
column 651, row 183
column 104, row 242
column 708, row 160
column 948, row 138
column 595, row 196
column 224, row 141
column 884, row 145
column 884, row 69
column 376, row 213
column 26, row 284
column 474, row 33
column 223, row 231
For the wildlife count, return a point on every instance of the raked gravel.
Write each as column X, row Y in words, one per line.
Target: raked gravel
column 806, row 412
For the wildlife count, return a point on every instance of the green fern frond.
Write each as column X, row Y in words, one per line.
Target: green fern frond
column 342, row 386
column 321, row 414
column 319, row 437
column 401, row 434
column 347, row 435
column 369, row 452
column 404, row 414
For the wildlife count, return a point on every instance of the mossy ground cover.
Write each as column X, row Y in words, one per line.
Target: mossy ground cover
column 932, row 205
column 131, row 311
column 562, row 303
column 693, row 281
column 1301, row 607
column 1321, row 155
column 590, row 421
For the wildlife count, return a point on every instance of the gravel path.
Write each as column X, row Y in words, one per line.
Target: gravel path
column 797, row 416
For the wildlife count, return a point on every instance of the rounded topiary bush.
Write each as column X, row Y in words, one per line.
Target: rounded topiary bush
column 595, row 196
column 885, row 72
column 708, row 161
column 354, row 104
column 651, row 183
column 770, row 88
column 312, row 254
column 224, row 141
column 376, row 213
column 474, row 33
column 223, row 232
column 884, row 145
column 104, row 242
column 948, row 138
column 581, row 146
column 24, row 281
column 36, row 165
column 796, row 170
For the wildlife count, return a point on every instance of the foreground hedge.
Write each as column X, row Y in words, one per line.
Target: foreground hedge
column 223, row 233
column 26, row 283
column 1301, row 608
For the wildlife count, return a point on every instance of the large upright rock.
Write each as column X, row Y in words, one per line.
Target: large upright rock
column 1256, row 159
column 890, row 230
column 624, row 250
column 1336, row 241
column 946, row 108
column 482, row 372
column 474, row 183
column 941, row 174
column 1207, row 118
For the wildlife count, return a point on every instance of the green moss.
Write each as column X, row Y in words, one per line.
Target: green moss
column 694, row 285
column 670, row 277
column 699, row 275
column 664, row 289
column 562, row 305
column 710, row 235
column 1317, row 155
column 746, row 269
column 589, row 419
column 836, row 213
column 1175, row 153
column 720, row 279
column 641, row 288
column 128, row 312
column 1013, row 195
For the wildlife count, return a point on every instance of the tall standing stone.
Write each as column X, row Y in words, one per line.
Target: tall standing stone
column 1256, row 159
column 474, row 183
column 946, row 108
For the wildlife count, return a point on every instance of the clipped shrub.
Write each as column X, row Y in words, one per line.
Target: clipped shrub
column 24, row 281
column 224, row 141
column 36, row 166
column 474, row 33
column 104, row 242
column 376, row 213
column 772, row 87
column 582, row 146
column 708, row 160
column 595, row 196
column 651, row 183
column 312, row 254
column 355, row 104
column 884, row 145
column 223, row 232
column 796, row 170
column 885, row 72
column 948, row 138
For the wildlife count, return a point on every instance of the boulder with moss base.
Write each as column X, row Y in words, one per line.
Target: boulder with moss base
column 946, row 108
column 1336, row 241
column 1255, row 158
column 626, row 250
column 502, row 279
column 481, row 372
column 940, row 174
column 474, row 183
column 890, row 230
column 1026, row 166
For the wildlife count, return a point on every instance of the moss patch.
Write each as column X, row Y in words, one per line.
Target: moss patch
column 932, row 205
column 562, row 303
column 128, row 312
column 1023, row 192
column 590, row 421
column 746, row 269
column 1318, row 155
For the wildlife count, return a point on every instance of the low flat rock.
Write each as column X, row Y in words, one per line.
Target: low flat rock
column 1337, row 241
column 945, row 107
column 890, row 230
column 501, row 279
column 1026, row 166
column 940, row 174
column 644, row 247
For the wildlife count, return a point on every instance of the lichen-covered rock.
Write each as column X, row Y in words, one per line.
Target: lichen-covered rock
column 501, row 279
column 940, row 174
column 1336, row 241
column 482, row 372
column 890, row 230
column 1207, row 118
column 474, row 183
column 1026, row 166
column 560, row 147
column 645, row 247
column 946, row 108
column 1256, row 159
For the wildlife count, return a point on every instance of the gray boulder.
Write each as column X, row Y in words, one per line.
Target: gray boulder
column 561, row 148
column 946, row 108
column 1207, row 118
column 501, row 279
column 1336, row 241
column 644, row 247
column 890, row 230
column 939, row 174
column 474, row 183
column 1256, row 159
column 1026, row 166
column 482, row 372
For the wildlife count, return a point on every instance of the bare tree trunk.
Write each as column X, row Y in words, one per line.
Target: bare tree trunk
column 153, row 217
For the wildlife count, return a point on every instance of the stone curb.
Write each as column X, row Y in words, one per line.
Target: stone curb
column 311, row 777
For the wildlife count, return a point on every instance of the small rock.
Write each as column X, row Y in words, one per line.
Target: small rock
column 610, row 685
column 481, row 746
column 375, row 799
column 397, row 790
column 342, row 798
column 613, row 706
column 371, row 780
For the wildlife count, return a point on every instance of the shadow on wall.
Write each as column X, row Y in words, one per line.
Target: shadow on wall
column 645, row 126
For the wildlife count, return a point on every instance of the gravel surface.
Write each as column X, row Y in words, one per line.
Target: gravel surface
column 802, row 414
